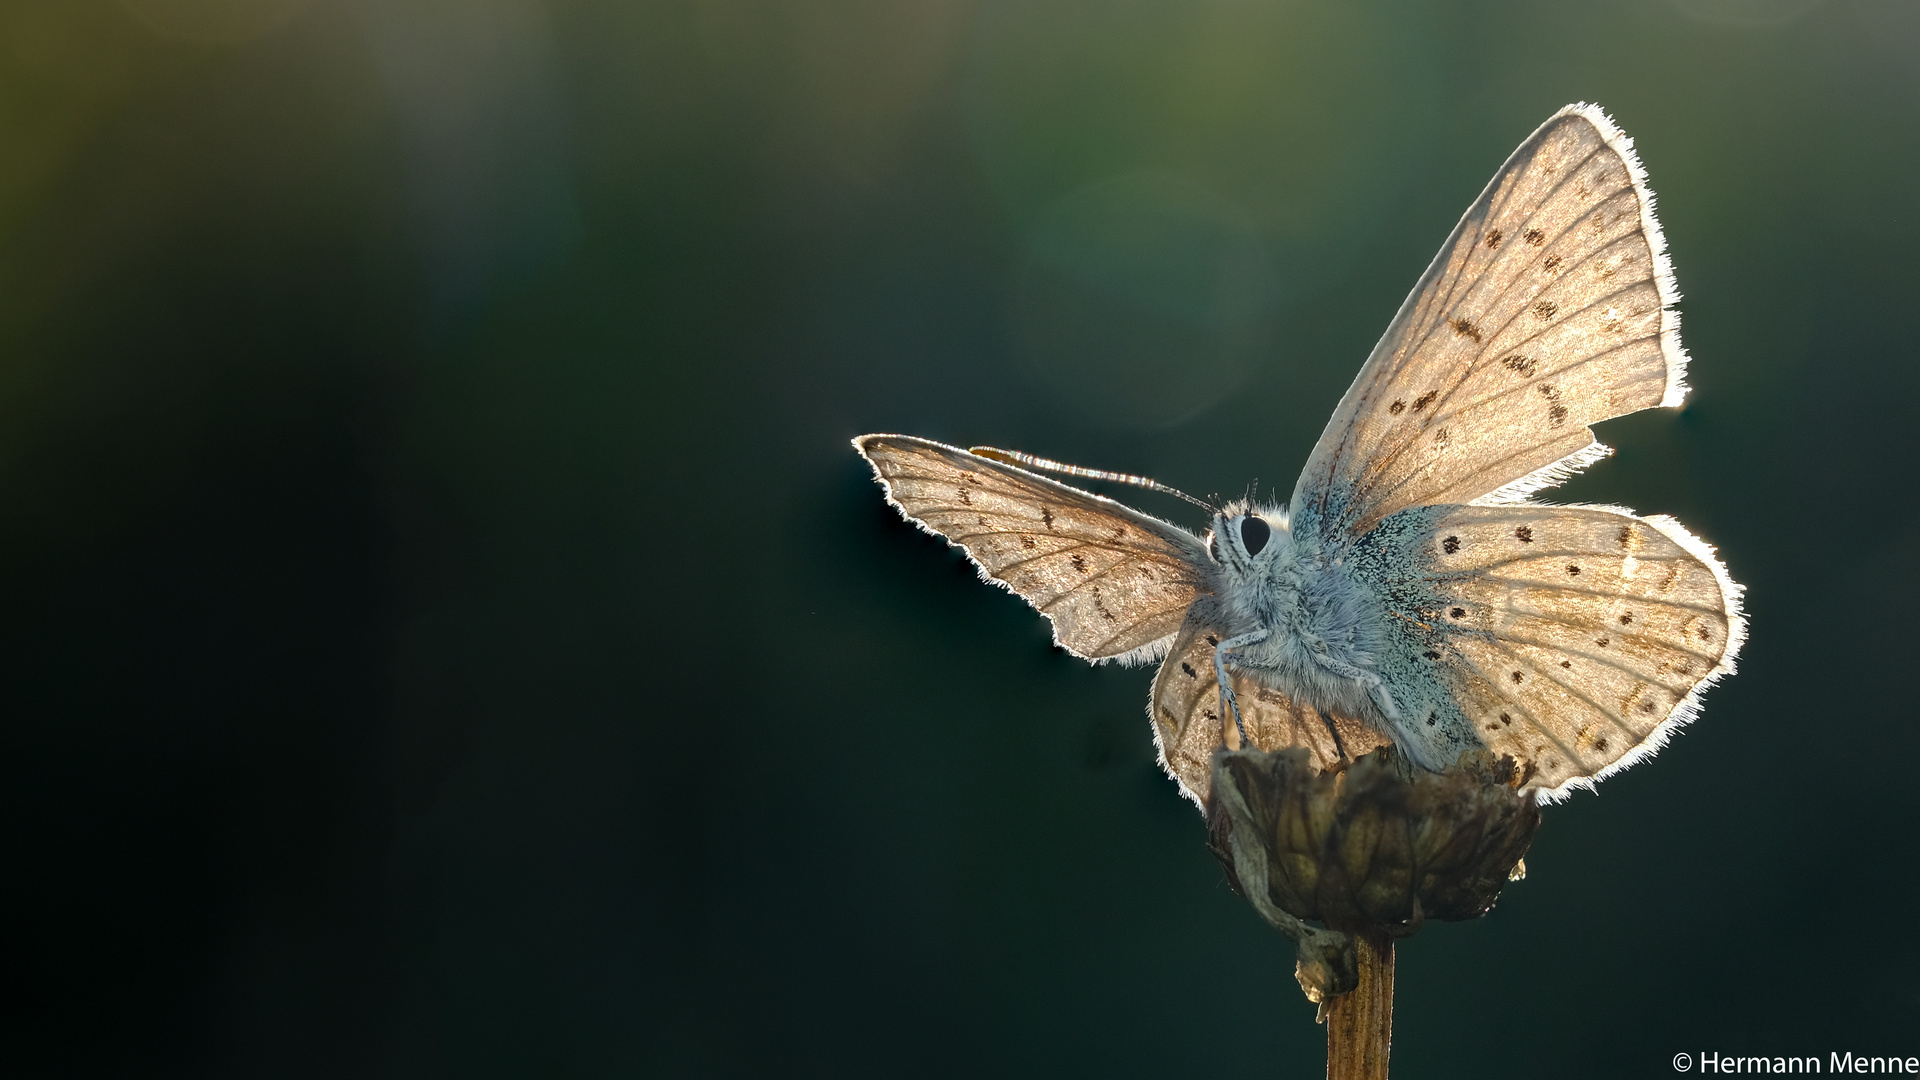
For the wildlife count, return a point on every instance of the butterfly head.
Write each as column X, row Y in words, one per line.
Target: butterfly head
column 1247, row 537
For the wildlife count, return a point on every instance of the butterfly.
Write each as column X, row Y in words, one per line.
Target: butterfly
column 1409, row 592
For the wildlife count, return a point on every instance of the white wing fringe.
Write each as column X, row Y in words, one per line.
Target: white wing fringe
column 1547, row 476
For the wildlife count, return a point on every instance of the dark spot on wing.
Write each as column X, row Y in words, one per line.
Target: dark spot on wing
column 972, row 478
column 1425, row 400
column 1525, row 365
column 1494, row 238
column 1431, row 655
column 1211, row 640
column 1546, row 309
column 1566, row 664
column 1518, row 677
column 1188, row 668
column 1119, row 533
column 1450, row 545
column 1101, row 607
column 1458, row 613
column 1524, row 534
column 1626, row 535
column 1572, row 571
column 1556, row 412
column 1080, row 563
column 1603, row 642
column 966, row 497
column 1397, row 408
column 1706, row 632
column 1046, row 517
column 1600, row 744
column 1464, row 329
column 1552, row 264
column 1648, row 706
column 1535, row 237
column 1028, row 542
column 1626, row 619
column 1431, row 718
column 1506, row 720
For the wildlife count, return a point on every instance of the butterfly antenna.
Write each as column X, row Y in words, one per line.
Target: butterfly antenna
column 1028, row 461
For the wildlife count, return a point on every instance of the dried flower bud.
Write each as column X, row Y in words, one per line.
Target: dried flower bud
column 1379, row 844
column 1324, row 964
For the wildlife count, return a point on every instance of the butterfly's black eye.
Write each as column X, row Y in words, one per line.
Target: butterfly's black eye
column 1213, row 546
column 1254, row 533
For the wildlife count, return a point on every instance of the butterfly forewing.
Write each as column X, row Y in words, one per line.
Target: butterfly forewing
column 1547, row 310
column 1116, row 583
column 1576, row 637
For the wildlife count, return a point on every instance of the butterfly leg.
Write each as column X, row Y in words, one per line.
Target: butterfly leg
column 1228, row 700
column 1376, row 688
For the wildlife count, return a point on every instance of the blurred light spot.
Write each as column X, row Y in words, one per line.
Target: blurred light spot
column 219, row 22
column 1302, row 112
column 484, row 126
column 1755, row 13
column 1143, row 299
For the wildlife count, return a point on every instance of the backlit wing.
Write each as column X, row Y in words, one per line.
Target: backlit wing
column 1116, row 583
column 1189, row 727
column 1575, row 639
column 1547, row 310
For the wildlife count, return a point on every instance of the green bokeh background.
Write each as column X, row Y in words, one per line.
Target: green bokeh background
column 447, row 633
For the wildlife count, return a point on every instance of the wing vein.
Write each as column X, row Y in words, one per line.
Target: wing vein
column 1547, row 672
column 1603, row 660
column 1433, row 325
column 1596, row 592
column 1494, row 681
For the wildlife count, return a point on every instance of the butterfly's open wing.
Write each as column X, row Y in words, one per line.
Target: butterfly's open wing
column 1116, row 583
column 1189, row 726
column 1575, row 639
column 1549, row 309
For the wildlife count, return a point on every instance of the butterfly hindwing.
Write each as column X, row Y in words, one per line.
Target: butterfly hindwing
column 1574, row 639
column 1547, row 310
column 1116, row 583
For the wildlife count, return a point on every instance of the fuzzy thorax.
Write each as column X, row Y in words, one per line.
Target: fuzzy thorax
column 1319, row 642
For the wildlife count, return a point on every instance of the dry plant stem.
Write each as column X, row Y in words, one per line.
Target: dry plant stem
column 1360, row 1024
